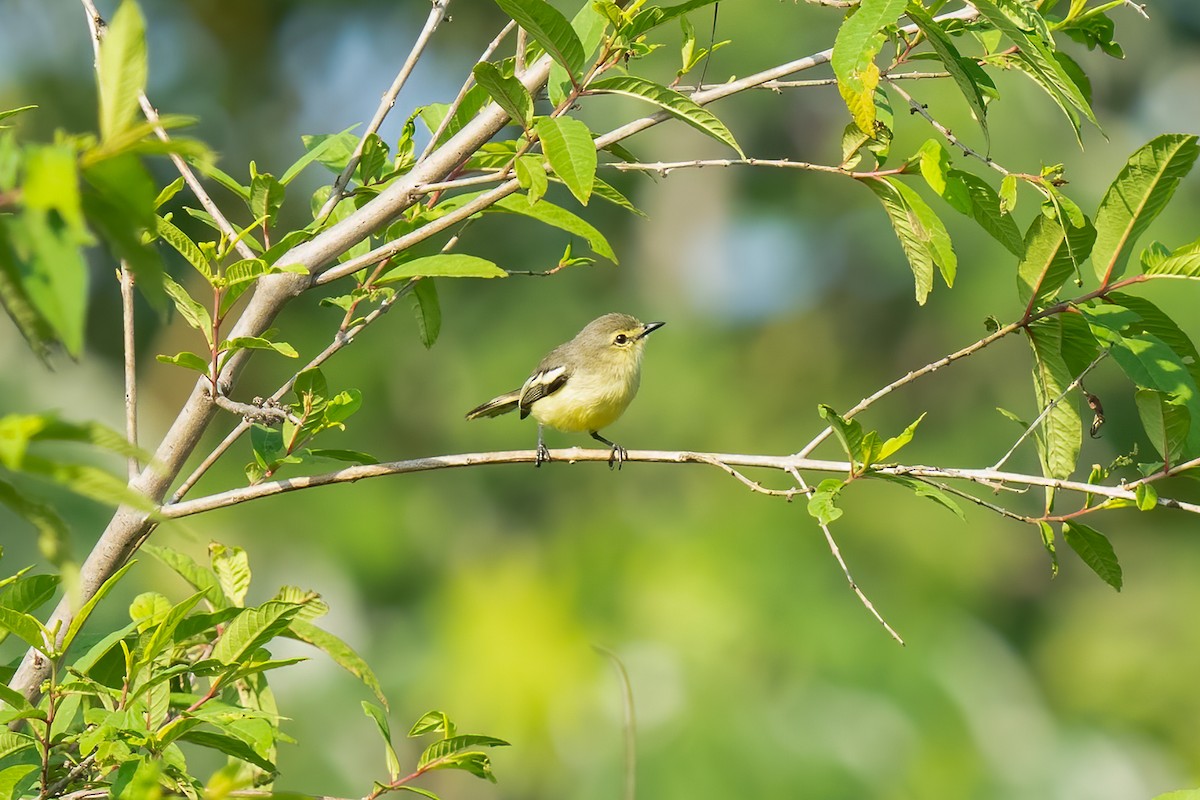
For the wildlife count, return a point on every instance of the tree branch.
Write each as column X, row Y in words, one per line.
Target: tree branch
column 724, row 461
column 128, row 342
column 436, row 15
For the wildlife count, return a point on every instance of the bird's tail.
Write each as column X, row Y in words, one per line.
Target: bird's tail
column 496, row 406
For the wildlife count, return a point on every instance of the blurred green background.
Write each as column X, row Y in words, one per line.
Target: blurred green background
column 754, row 669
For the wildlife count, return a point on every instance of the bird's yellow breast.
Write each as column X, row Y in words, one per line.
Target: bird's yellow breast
column 590, row 400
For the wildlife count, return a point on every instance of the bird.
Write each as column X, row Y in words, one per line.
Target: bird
column 583, row 385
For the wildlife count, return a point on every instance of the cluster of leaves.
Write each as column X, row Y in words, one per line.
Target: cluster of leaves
column 57, row 198
column 314, row 412
column 120, row 709
column 1006, row 35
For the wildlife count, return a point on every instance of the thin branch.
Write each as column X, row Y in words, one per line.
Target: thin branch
column 723, row 461
column 920, row 108
column 128, row 343
column 837, row 554
column 1050, row 407
column 436, row 15
column 466, row 87
column 421, row 234
column 1001, row 510
column 664, row 167
column 778, row 85
column 265, row 413
column 934, row 366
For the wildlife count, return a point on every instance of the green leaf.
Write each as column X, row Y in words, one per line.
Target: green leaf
column 1183, row 262
column 1167, row 424
column 1141, row 190
column 558, row 217
column 456, row 744
column 549, row 28
column 121, row 70
column 1026, row 29
column 986, row 208
column 1061, row 432
column 1182, row 794
column 12, row 743
column 531, row 175
column 192, row 312
column 168, row 192
column 38, row 333
column 11, row 112
column 434, row 113
column 266, row 197
column 1143, row 357
column 894, row 444
column 432, row 722
column 229, row 745
column 677, row 105
column 1048, row 542
column 1147, row 497
column 1095, row 550
column 426, row 310
column 184, row 245
column 231, row 565
column 252, row 629
column 922, row 235
column 822, row 503
column 443, row 265
column 82, row 615
column 1008, row 194
column 1052, row 255
column 923, row 489
column 567, row 143
column 52, row 530
column 259, row 343
column 321, row 146
column 858, row 42
column 1156, row 323
column 342, row 654
column 199, row 577
column 385, row 732
column 161, row 638
column 474, row 762
column 508, row 92
column 50, row 271
column 187, row 361
column 27, row 628
column 951, row 59
column 331, row 150
column 373, row 160
column 848, row 432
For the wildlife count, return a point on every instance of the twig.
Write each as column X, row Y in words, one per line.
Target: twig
column 1050, row 407
column 837, row 554
column 266, row 412
column 125, row 275
column 466, row 87
column 75, row 772
column 421, row 234
column 519, row 59
column 778, row 85
column 984, row 477
column 919, row 108
column 664, row 167
column 933, row 366
column 436, row 15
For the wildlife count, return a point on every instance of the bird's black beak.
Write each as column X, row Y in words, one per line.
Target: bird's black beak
column 649, row 328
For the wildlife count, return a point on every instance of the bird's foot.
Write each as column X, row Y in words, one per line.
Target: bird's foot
column 543, row 455
column 617, row 456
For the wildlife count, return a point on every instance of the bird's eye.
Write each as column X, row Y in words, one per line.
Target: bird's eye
column 621, row 338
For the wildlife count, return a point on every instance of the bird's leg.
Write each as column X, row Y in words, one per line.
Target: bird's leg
column 542, row 453
column 618, row 454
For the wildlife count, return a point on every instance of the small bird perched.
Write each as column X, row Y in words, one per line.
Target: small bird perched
column 583, row 385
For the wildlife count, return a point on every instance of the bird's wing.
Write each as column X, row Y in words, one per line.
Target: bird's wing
column 541, row 383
